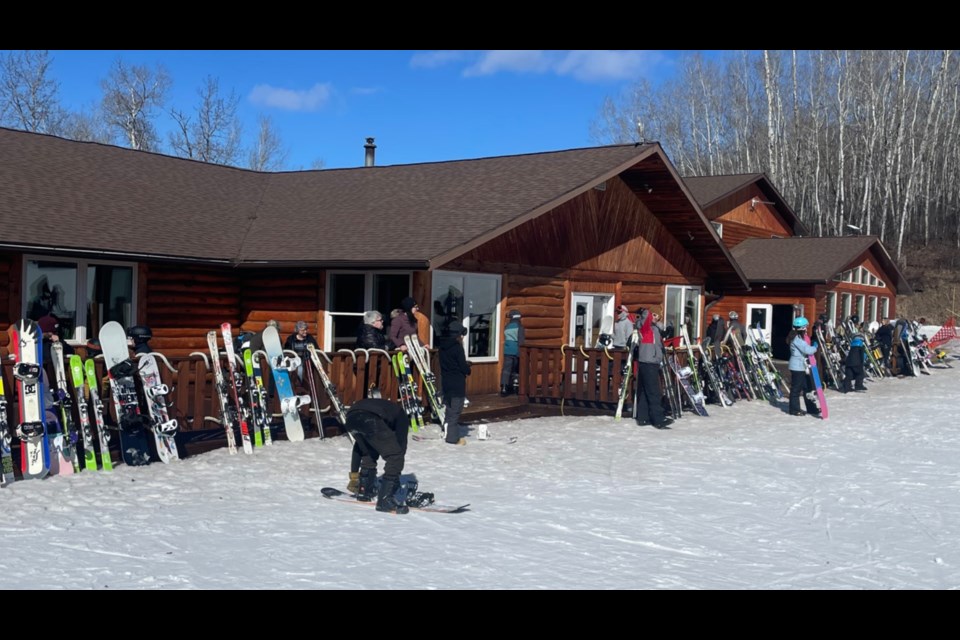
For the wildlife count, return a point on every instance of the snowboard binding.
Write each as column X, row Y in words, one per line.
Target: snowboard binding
column 28, row 430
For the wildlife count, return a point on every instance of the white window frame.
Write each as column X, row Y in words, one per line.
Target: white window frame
column 80, row 304
column 872, row 308
column 718, row 227
column 494, row 335
column 698, row 324
column 367, row 300
column 846, row 304
column 861, row 305
column 608, row 310
column 885, row 306
column 832, row 307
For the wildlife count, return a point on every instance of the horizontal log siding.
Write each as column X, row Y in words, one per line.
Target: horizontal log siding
column 182, row 307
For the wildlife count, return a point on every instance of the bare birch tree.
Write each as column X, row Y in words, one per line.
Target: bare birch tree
column 132, row 97
column 267, row 152
column 212, row 133
column 29, row 97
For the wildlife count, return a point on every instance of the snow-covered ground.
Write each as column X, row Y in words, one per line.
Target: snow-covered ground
column 748, row 498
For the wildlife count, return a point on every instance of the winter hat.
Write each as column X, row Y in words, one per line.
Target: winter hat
column 407, row 304
column 514, row 314
column 455, row 328
column 48, row 324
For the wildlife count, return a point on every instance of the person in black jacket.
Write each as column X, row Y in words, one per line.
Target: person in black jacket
column 884, row 337
column 298, row 341
column 380, row 430
column 370, row 333
column 454, row 370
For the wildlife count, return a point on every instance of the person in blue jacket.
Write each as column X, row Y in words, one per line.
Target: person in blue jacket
column 856, row 358
column 800, row 382
column 513, row 339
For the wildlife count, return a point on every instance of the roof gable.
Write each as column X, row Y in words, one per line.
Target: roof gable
column 711, row 190
column 811, row 260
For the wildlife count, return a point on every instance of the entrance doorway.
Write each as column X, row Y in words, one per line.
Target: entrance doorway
column 782, row 324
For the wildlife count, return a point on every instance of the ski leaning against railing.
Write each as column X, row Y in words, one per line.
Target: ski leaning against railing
column 421, row 359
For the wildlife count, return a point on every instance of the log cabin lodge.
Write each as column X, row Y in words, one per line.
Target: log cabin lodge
column 92, row 233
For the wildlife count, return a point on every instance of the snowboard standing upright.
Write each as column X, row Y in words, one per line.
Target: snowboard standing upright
column 227, row 413
column 281, row 365
column 164, row 427
column 32, row 429
column 134, row 445
column 258, row 401
column 815, row 374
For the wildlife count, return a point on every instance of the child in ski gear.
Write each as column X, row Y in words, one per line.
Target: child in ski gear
column 370, row 333
column 454, row 370
column 854, row 364
column 623, row 329
column 649, row 357
column 379, row 428
column 800, row 382
column 513, row 339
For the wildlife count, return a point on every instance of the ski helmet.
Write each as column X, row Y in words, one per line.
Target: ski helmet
column 734, row 315
column 800, row 322
column 855, row 319
column 139, row 333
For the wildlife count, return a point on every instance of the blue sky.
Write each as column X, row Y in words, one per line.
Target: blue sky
column 421, row 106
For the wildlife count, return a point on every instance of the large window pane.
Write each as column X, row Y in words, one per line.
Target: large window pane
column 345, row 330
column 52, row 289
column 388, row 290
column 481, row 297
column 347, row 292
column 474, row 299
column 447, row 301
column 109, row 296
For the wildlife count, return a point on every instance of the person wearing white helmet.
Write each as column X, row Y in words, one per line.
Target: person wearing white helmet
column 800, row 382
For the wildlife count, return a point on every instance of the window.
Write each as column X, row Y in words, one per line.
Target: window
column 848, row 276
column 832, row 307
column 718, row 227
column 349, row 294
column 683, row 305
column 860, row 306
column 474, row 299
column 872, row 308
column 587, row 311
column 885, row 307
column 864, row 276
column 845, row 300
column 83, row 295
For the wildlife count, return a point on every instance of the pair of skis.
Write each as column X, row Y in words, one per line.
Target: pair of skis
column 421, row 359
column 409, row 398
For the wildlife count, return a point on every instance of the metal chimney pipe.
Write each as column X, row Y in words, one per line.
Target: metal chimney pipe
column 369, row 152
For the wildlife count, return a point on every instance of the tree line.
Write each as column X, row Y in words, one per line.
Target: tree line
column 867, row 139
column 133, row 101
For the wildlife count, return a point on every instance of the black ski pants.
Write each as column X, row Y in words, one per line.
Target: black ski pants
column 452, row 408
column 649, row 396
column 854, row 374
column 511, row 366
column 375, row 439
column 801, row 385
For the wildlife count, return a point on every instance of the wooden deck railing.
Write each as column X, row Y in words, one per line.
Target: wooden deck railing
column 572, row 374
column 194, row 404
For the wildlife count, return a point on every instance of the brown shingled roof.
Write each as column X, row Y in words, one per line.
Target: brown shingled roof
column 103, row 199
column 810, row 260
column 110, row 199
column 709, row 189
